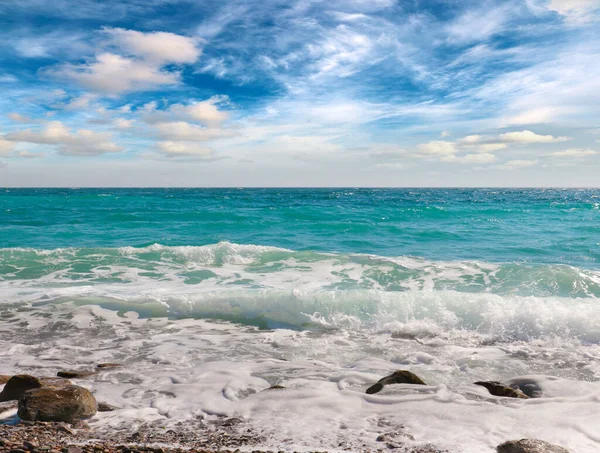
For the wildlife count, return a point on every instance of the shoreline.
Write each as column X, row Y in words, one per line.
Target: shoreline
column 60, row 437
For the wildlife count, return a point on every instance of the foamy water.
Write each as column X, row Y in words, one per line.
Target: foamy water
column 204, row 331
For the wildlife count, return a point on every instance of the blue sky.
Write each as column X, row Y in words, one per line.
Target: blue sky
column 299, row 93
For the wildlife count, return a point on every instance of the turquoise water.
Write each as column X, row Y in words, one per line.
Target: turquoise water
column 512, row 263
column 494, row 225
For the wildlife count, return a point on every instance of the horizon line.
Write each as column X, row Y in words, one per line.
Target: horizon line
column 295, row 187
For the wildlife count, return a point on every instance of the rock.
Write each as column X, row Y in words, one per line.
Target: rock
column 30, row 445
column 18, row 385
column 73, row 374
column 529, row 446
column 397, row 377
column 276, row 387
column 498, row 389
column 66, row 404
column 104, row 366
column 65, row 429
column 4, row 378
column 104, row 407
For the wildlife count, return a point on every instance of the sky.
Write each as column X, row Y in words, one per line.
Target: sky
column 198, row 93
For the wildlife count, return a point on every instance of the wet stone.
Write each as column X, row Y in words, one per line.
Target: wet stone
column 74, row 374
column 499, row 389
column 529, row 446
column 397, row 377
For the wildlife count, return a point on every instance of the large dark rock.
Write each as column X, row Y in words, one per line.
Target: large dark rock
column 499, row 389
column 529, row 446
column 67, row 404
column 4, row 378
column 17, row 385
column 397, row 377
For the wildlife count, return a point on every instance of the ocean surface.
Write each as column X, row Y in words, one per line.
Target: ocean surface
column 210, row 296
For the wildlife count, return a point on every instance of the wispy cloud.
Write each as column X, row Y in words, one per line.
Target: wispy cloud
column 574, row 153
column 517, row 164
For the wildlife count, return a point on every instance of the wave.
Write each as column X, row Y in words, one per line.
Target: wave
column 275, row 287
column 227, row 265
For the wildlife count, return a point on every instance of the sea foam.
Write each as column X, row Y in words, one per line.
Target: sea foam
column 204, row 331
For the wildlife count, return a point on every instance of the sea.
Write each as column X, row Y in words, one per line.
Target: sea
column 209, row 297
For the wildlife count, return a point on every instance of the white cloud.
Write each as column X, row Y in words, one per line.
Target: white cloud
column 529, row 137
column 7, row 78
column 122, row 123
column 437, row 148
column 478, row 24
column 557, row 84
column 82, row 142
column 471, row 139
column 20, row 118
column 79, row 103
column 28, row 155
column 136, row 62
column 480, row 143
column 184, row 149
column 515, row 164
column 471, row 149
column 341, row 53
column 574, row 10
column 300, row 146
column 113, row 74
column 184, row 131
column 534, row 116
column 206, row 112
column 50, row 44
column 482, row 158
column 6, row 147
column 489, row 143
column 574, row 152
column 489, row 147
column 156, row 47
column 390, row 166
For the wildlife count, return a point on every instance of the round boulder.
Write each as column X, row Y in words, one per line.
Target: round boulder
column 66, row 404
column 529, row 446
column 17, row 385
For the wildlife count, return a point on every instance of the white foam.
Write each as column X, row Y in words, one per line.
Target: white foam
column 340, row 322
column 179, row 370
